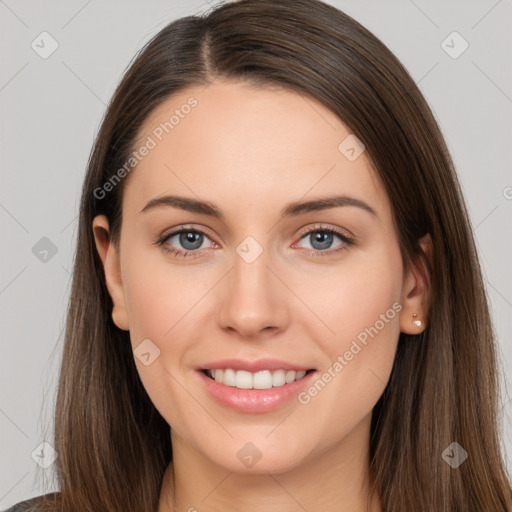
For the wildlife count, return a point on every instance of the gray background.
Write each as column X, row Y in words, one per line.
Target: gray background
column 51, row 108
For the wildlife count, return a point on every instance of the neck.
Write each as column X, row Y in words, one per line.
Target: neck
column 334, row 480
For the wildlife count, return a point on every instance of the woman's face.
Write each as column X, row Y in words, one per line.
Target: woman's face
column 227, row 262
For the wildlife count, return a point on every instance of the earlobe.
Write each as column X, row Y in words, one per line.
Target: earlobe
column 110, row 259
column 416, row 291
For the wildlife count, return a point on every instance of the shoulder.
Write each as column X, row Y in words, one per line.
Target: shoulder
column 33, row 504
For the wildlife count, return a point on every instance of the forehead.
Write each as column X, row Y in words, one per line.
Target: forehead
column 232, row 142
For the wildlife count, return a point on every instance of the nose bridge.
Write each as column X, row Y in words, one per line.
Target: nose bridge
column 252, row 298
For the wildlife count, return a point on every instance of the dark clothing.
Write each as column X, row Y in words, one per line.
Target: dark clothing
column 31, row 504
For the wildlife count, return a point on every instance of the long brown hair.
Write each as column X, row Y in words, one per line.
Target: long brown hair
column 113, row 444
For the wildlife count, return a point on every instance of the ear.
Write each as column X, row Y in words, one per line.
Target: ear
column 111, row 265
column 416, row 290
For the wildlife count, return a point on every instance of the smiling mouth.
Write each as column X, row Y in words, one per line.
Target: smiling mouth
column 264, row 379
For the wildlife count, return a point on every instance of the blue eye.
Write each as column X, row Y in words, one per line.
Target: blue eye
column 189, row 240
column 192, row 241
column 322, row 238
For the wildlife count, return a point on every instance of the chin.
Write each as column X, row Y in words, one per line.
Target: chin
column 261, row 456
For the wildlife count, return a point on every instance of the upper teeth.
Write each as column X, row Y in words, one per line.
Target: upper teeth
column 264, row 379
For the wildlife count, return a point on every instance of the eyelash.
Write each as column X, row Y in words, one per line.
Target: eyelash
column 347, row 241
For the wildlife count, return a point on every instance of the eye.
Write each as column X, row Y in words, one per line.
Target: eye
column 184, row 242
column 189, row 242
column 322, row 238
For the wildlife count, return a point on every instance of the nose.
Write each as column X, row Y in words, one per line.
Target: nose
column 253, row 300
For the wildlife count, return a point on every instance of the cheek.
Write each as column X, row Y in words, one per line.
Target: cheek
column 160, row 296
column 361, row 306
column 364, row 313
column 164, row 302
column 160, row 304
column 369, row 309
column 361, row 298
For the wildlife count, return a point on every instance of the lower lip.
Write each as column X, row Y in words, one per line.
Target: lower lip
column 255, row 400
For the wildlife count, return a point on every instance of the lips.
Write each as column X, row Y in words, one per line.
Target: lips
column 254, row 386
column 255, row 400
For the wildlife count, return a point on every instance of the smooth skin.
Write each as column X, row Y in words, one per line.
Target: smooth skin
column 252, row 151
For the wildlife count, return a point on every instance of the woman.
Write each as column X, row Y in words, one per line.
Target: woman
column 277, row 302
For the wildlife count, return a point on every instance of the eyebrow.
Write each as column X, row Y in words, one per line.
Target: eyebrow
column 291, row 210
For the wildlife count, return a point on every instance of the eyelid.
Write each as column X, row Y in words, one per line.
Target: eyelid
column 327, row 227
column 187, row 227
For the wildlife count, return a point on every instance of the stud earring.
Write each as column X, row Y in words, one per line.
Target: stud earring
column 416, row 322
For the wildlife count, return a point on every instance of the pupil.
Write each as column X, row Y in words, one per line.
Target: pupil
column 323, row 240
column 192, row 238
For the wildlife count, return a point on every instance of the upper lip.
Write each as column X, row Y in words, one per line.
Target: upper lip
column 254, row 366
